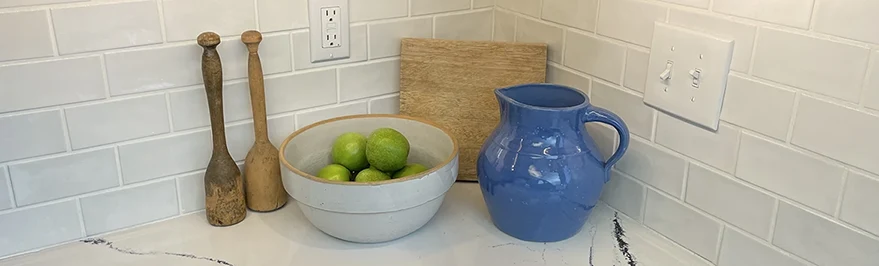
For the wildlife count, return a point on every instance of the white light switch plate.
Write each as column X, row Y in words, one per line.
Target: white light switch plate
column 690, row 53
column 328, row 32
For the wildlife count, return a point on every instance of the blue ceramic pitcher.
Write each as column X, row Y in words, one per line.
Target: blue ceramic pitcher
column 540, row 171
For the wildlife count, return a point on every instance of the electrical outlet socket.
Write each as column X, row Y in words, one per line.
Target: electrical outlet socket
column 328, row 21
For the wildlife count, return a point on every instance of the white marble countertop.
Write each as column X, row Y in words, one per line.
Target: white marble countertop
column 460, row 234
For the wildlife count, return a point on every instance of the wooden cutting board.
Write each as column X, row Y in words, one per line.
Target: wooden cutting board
column 453, row 82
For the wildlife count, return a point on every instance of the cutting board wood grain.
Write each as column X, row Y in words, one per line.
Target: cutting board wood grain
column 453, row 82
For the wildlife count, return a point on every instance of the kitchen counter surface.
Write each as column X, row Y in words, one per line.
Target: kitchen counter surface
column 460, row 234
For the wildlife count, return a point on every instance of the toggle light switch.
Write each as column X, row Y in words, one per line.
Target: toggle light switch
column 696, row 74
column 666, row 75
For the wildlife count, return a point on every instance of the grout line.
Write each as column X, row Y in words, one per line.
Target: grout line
column 168, row 111
column 838, row 211
column 81, row 218
column 516, row 28
column 565, row 46
column 812, row 20
column 773, row 221
column 472, row 4
column 162, row 29
column 9, row 188
column 793, row 119
column 105, row 77
column 65, row 129
column 865, row 82
column 433, row 27
column 52, row 38
column 338, row 77
column 118, row 158
column 493, row 23
column 622, row 79
column 597, row 14
column 754, row 51
column 408, row 8
column 177, row 194
column 644, row 191
column 719, row 242
column 256, row 14
column 711, row 6
column 738, row 148
column 684, row 181
column 655, row 126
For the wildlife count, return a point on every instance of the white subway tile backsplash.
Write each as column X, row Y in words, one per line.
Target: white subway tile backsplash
column 191, row 189
column 624, row 194
column 422, row 7
column 154, row 68
column 789, row 173
column 575, row 13
column 871, row 90
column 474, row 26
column 128, row 207
column 683, row 225
column 636, row 69
column 40, row 84
column 527, row 7
column 758, row 106
column 185, row 19
column 504, row 26
column 100, row 27
column 793, row 13
column 739, row 249
column 385, row 105
column 717, row 149
column 239, row 140
column 27, row 42
column 532, row 31
column 832, row 68
column 693, row 3
column 17, row 3
column 189, row 108
column 742, row 34
column 858, row 204
column 653, row 166
column 837, row 132
column 730, row 200
column 38, row 227
column 848, row 19
column 308, row 118
column 5, row 190
column 594, row 56
column 280, row 128
column 109, row 122
column 384, row 37
column 482, row 3
column 302, row 54
column 175, row 155
column 31, row 135
column 630, row 107
column 629, row 20
column 299, row 91
column 64, row 176
column 278, row 15
column 373, row 79
column 568, row 78
column 363, row 10
column 822, row 241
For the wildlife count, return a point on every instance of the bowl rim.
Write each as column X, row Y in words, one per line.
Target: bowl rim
column 290, row 167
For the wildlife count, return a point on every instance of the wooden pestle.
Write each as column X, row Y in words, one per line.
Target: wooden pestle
column 223, row 185
column 262, row 168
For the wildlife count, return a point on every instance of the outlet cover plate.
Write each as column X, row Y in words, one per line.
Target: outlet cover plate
column 688, row 51
column 317, row 26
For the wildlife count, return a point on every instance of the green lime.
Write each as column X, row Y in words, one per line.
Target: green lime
column 349, row 150
column 411, row 169
column 335, row 172
column 371, row 175
column 387, row 149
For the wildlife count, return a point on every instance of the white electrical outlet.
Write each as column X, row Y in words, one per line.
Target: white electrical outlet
column 328, row 21
column 687, row 74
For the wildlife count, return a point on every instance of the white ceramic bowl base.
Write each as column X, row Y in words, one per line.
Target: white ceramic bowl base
column 375, row 211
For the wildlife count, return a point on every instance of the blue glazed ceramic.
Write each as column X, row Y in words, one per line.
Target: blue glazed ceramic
column 540, row 171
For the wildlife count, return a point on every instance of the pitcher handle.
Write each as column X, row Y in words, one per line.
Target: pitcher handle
column 601, row 115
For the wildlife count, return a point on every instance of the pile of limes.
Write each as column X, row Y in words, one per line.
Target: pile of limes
column 382, row 156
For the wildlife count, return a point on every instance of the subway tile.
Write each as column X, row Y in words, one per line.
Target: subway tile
column 299, row 91
column 17, row 3
column 693, row 3
column 64, row 176
column 483, row 3
column 176, row 154
column 742, row 34
column 384, row 37
column 605, row 138
column 847, row 19
column 191, row 189
column 789, row 173
column 30, row 135
column 630, row 107
column 239, row 140
column 154, row 68
column 504, row 26
column 636, row 69
column 834, row 69
column 186, row 19
column 758, row 106
column 280, row 128
column 107, row 26
column 793, row 13
column 858, row 204
column 308, row 118
column 871, row 97
column 385, row 105
column 302, row 54
column 717, row 149
column 683, row 225
column 624, row 194
column 574, row 13
column 363, row 10
column 527, row 7
column 629, row 20
column 475, row 26
column 532, row 31
column 568, row 78
column 189, row 108
column 837, row 132
column 822, row 241
column 738, row 249
column 39, row 227
column 109, row 122
column 27, row 86
column 5, row 190
column 653, row 166
column 128, row 207
column 29, row 42
column 278, row 15
column 373, row 79
column 421, row 7
column 730, row 200
column 595, row 57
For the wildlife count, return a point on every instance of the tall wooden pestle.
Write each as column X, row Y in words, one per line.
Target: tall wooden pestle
column 262, row 168
column 223, row 185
